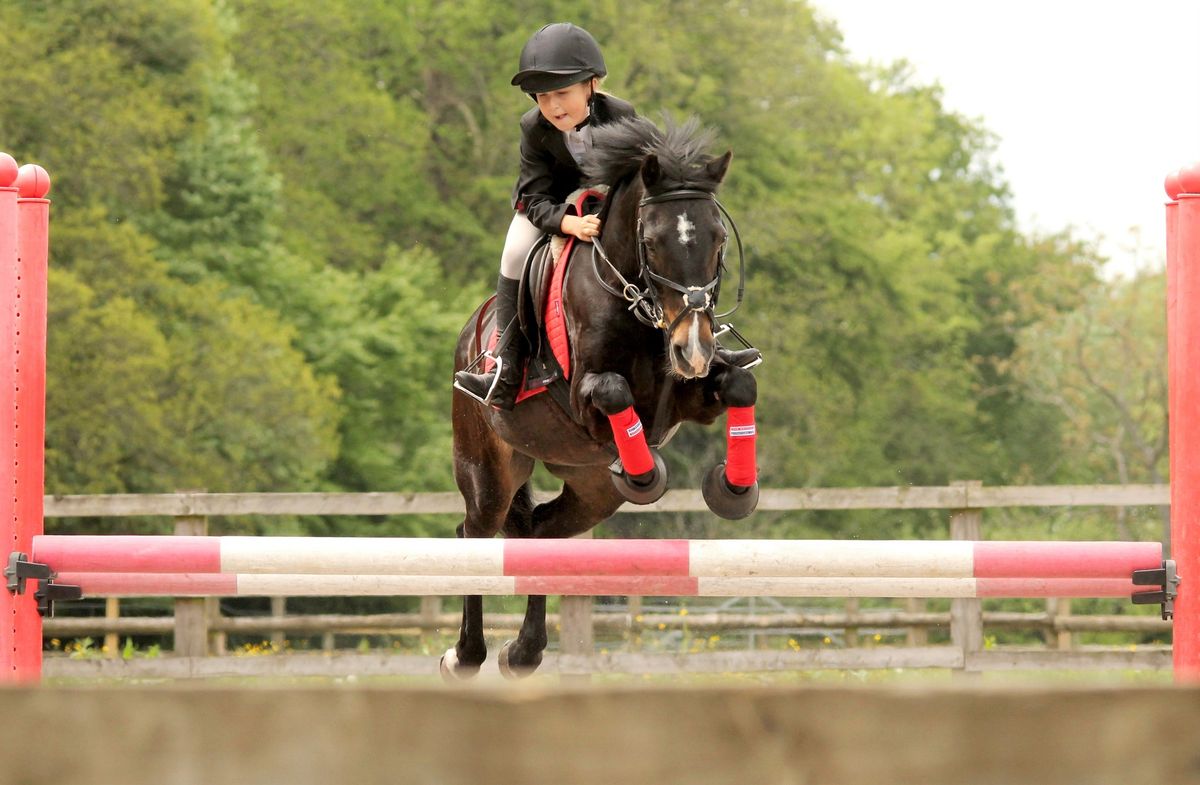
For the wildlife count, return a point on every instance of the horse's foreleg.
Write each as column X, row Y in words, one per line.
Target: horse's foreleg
column 739, row 391
column 643, row 477
column 731, row 488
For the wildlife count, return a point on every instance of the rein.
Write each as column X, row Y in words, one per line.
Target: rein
column 645, row 303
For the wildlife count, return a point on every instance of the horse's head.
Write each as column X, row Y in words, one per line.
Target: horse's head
column 681, row 245
column 666, row 231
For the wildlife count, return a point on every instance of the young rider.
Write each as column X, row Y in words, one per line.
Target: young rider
column 560, row 68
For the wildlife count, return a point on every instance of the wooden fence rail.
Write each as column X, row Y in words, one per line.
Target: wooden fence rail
column 953, row 497
column 196, row 624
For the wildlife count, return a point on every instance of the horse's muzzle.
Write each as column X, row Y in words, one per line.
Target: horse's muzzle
column 691, row 354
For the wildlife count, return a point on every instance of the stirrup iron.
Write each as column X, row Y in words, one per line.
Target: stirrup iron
column 496, row 372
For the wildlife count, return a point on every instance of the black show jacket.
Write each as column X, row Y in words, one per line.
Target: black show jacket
column 548, row 172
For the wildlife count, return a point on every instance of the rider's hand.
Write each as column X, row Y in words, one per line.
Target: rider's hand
column 584, row 227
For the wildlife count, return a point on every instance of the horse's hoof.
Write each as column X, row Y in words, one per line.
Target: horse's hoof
column 454, row 671
column 646, row 489
column 512, row 672
column 731, row 502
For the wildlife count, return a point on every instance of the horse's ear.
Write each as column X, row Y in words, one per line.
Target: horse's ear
column 651, row 171
column 717, row 167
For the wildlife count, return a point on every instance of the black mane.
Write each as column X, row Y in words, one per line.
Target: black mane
column 619, row 148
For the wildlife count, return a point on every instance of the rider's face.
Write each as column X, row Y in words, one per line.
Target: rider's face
column 566, row 108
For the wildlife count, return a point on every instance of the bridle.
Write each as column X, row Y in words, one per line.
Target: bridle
column 645, row 304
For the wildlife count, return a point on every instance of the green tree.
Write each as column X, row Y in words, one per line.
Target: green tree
column 154, row 384
column 271, row 219
column 1102, row 368
column 395, row 360
column 351, row 154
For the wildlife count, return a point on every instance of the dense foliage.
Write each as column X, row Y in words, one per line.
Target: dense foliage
column 272, row 216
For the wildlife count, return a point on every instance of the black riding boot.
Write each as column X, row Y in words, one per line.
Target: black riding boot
column 480, row 385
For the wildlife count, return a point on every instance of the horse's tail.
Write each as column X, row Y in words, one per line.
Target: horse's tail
column 519, row 522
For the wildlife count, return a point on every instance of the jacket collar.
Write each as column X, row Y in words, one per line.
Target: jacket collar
column 556, row 142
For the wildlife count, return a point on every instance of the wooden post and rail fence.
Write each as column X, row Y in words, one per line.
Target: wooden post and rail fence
column 199, row 629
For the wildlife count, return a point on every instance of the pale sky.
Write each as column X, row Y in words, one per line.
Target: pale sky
column 1093, row 102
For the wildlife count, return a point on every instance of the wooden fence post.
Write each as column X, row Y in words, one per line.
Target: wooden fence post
column 850, row 634
column 1058, row 608
column 966, row 615
column 278, row 611
column 577, row 635
column 634, row 610
column 431, row 609
column 112, row 640
column 917, row 636
column 191, row 613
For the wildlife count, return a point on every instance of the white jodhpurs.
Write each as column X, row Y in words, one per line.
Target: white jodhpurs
column 520, row 238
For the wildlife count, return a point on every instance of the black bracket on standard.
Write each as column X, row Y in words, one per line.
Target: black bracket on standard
column 48, row 592
column 20, row 569
column 1167, row 579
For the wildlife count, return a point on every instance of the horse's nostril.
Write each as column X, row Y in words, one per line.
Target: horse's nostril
column 690, row 362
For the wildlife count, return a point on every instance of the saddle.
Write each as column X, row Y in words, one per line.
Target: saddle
column 540, row 313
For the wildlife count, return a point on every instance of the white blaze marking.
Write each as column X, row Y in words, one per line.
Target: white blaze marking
column 697, row 356
column 687, row 229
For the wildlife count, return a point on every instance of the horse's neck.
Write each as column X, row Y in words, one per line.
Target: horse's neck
column 620, row 229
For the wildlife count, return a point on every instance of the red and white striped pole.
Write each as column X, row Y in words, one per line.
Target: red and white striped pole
column 24, row 234
column 115, row 565
column 1183, row 369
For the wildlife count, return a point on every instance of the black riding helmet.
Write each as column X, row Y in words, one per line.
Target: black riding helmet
column 557, row 56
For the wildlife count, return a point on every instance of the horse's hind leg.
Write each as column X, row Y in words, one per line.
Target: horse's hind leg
column 464, row 659
column 587, row 498
column 522, row 656
column 492, row 479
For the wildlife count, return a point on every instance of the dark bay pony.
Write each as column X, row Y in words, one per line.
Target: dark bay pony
column 640, row 310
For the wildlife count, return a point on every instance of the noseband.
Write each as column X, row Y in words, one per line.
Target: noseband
column 645, row 302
